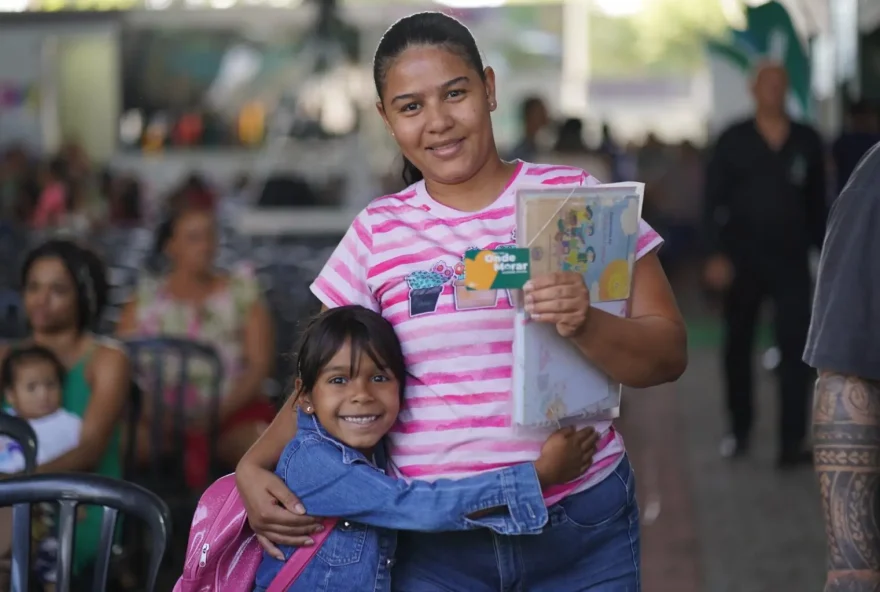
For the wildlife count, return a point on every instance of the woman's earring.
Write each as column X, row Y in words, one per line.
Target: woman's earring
column 308, row 409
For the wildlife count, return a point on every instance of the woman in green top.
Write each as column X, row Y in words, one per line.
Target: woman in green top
column 64, row 291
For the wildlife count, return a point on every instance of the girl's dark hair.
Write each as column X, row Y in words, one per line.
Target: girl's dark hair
column 21, row 355
column 87, row 272
column 367, row 331
column 423, row 28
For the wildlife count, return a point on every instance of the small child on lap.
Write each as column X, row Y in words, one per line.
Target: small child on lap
column 31, row 379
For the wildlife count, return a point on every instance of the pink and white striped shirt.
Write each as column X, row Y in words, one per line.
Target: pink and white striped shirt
column 402, row 256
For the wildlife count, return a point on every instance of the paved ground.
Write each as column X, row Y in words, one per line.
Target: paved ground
column 709, row 525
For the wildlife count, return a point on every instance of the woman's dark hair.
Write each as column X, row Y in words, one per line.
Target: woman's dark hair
column 21, row 355
column 87, row 272
column 423, row 28
column 165, row 230
column 367, row 331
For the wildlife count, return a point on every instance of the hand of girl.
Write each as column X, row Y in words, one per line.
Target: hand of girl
column 560, row 298
column 274, row 512
column 566, row 455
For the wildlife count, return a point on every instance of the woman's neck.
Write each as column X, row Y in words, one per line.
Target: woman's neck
column 66, row 344
column 190, row 286
column 191, row 280
column 478, row 192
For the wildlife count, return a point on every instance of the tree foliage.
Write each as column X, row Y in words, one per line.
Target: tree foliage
column 666, row 37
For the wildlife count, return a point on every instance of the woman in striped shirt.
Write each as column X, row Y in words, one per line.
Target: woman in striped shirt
column 401, row 258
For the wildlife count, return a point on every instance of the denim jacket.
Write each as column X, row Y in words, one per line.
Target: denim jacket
column 332, row 479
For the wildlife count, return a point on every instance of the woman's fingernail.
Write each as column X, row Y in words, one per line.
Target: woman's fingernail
column 527, row 286
column 308, row 543
column 279, row 557
column 537, row 317
column 319, row 528
column 300, row 509
column 530, row 308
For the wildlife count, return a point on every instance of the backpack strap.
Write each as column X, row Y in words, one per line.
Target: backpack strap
column 300, row 559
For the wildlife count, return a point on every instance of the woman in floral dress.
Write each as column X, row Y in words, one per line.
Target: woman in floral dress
column 226, row 311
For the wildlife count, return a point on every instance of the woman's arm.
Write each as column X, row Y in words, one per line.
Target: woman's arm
column 645, row 349
column 650, row 346
column 266, row 451
column 259, row 354
column 110, row 380
column 274, row 512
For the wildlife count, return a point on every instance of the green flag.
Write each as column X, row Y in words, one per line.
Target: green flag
column 770, row 34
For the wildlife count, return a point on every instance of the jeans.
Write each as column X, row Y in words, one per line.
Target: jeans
column 590, row 544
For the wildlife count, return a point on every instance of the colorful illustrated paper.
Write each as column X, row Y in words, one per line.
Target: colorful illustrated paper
column 593, row 231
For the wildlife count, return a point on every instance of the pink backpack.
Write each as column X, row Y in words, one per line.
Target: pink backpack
column 223, row 553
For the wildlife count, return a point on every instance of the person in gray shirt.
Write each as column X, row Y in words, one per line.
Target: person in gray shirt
column 844, row 346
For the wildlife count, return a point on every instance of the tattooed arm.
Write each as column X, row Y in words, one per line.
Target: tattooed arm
column 846, row 434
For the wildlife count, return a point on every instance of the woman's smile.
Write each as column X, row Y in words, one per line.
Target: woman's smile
column 446, row 150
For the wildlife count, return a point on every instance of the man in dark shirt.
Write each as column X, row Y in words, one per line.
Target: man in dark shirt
column 844, row 346
column 766, row 207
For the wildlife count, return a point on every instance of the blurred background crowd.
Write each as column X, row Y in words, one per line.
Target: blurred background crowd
column 214, row 152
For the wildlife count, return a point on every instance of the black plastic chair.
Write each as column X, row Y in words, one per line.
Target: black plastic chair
column 286, row 286
column 22, row 432
column 70, row 491
column 149, row 357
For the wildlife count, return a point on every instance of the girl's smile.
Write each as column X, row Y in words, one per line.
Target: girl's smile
column 361, row 420
column 355, row 398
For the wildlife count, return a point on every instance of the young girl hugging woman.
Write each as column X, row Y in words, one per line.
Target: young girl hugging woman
column 400, row 258
column 349, row 390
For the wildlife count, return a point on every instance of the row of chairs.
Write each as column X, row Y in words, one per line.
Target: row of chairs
column 70, row 491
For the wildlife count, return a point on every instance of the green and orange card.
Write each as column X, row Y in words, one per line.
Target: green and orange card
column 496, row 269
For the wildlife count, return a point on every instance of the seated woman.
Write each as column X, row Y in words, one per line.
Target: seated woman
column 65, row 290
column 196, row 301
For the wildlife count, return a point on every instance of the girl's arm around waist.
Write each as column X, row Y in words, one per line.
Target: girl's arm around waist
column 330, row 483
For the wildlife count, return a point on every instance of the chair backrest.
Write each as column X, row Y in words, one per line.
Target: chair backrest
column 150, row 356
column 22, row 432
column 132, row 418
column 290, row 301
column 71, row 490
